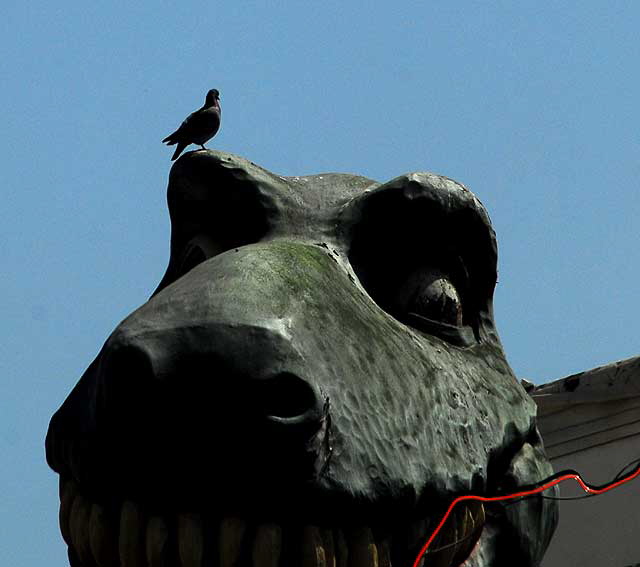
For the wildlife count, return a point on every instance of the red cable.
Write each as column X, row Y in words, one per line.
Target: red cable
column 588, row 489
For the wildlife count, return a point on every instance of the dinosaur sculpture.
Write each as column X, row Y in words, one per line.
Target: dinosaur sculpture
column 316, row 377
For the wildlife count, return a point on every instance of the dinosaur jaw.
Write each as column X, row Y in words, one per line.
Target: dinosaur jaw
column 128, row 533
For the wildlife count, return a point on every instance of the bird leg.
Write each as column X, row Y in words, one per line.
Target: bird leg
column 202, row 146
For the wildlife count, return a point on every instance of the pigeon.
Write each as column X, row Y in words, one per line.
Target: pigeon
column 199, row 126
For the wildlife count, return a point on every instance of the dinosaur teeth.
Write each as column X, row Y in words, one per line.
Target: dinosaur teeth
column 231, row 535
column 471, row 520
column 329, row 547
column 267, row 546
column 342, row 549
column 190, row 540
column 313, row 553
column 103, row 537
column 128, row 536
column 157, row 543
column 362, row 549
column 79, row 527
column 458, row 536
column 68, row 492
column 384, row 553
column 132, row 535
column 417, row 534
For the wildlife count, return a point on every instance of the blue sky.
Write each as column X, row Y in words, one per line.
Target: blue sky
column 532, row 105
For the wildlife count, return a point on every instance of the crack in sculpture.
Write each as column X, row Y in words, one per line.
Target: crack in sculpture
column 315, row 378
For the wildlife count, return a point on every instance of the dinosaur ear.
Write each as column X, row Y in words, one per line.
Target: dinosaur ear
column 216, row 204
column 423, row 247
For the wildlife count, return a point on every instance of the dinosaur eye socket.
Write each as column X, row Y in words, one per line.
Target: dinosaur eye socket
column 194, row 256
column 198, row 250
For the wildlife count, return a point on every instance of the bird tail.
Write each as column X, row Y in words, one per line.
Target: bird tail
column 181, row 146
column 170, row 140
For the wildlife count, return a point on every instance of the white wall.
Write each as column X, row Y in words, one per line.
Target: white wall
column 603, row 530
column 590, row 422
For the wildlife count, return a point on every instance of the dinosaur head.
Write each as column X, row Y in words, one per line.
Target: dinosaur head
column 316, row 377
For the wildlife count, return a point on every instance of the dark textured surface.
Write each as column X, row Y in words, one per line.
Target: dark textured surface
column 280, row 368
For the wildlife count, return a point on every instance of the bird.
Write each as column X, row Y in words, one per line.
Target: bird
column 199, row 127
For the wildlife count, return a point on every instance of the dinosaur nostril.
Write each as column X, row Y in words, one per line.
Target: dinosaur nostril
column 288, row 398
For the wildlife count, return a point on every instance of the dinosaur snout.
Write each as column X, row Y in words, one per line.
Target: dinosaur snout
column 239, row 396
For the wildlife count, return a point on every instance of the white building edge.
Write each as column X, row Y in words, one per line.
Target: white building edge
column 590, row 422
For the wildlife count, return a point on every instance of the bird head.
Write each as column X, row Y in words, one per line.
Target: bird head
column 212, row 97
